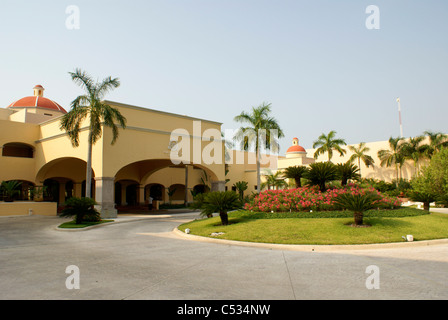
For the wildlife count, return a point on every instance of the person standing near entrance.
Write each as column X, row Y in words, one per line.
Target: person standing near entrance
column 150, row 203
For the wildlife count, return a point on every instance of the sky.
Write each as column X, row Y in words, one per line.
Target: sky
column 314, row 61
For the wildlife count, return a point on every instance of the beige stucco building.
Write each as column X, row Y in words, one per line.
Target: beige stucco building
column 159, row 155
column 140, row 164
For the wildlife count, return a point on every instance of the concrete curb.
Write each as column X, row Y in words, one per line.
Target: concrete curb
column 312, row 248
column 107, row 224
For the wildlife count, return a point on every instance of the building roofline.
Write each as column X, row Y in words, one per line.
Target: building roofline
column 123, row 105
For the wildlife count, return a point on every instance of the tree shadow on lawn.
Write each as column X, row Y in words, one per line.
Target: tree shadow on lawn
column 383, row 222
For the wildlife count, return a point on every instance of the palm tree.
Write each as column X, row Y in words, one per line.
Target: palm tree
column 413, row 150
column 222, row 202
column 360, row 153
column 274, row 180
column 358, row 203
column 320, row 173
column 241, row 186
column 437, row 140
column 171, row 191
column 328, row 143
column 296, row 173
column 10, row 189
column 393, row 156
column 425, row 197
column 262, row 130
column 89, row 105
column 347, row 171
column 81, row 208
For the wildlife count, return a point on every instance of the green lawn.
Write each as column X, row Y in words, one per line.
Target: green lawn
column 73, row 225
column 245, row 226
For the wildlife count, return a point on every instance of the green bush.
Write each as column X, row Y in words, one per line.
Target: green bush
column 320, row 173
column 357, row 203
column 10, row 189
column 220, row 202
column 82, row 209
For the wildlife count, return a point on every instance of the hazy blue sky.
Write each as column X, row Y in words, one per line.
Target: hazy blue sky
column 314, row 60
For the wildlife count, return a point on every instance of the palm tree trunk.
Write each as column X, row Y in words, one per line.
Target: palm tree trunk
column 89, row 168
column 358, row 216
column 224, row 218
column 396, row 166
column 258, row 168
column 359, row 166
column 298, row 182
column 186, row 186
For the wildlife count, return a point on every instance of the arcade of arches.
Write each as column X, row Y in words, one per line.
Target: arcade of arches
column 134, row 185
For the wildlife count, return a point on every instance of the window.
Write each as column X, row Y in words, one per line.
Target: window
column 19, row 150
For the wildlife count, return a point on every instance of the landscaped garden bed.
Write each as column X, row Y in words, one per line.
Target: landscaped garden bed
column 306, row 199
column 308, row 216
column 385, row 226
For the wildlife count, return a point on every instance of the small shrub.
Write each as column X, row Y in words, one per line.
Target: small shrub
column 81, row 209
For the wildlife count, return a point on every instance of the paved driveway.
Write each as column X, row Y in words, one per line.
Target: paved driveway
column 142, row 259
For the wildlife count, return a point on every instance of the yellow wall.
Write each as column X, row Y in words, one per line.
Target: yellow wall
column 19, row 208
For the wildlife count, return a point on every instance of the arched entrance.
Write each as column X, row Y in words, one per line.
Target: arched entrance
column 156, row 191
column 160, row 179
column 68, row 175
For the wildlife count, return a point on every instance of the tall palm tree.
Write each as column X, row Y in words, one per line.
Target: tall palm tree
column 392, row 156
column 415, row 151
column 296, row 173
column 437, row 140
column 91, row 106
column 328, row 143
column 274, row 180
column 360, row 153
column 259, row 132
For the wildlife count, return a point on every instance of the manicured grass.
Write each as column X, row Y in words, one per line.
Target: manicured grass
column 73, row 225
column 324, row 231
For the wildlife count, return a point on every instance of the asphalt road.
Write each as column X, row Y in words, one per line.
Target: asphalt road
column 142, row 259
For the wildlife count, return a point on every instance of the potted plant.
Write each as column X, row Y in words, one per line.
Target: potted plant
column 10, row 189
column 37, row 193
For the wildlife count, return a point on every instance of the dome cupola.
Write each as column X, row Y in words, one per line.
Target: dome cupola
column 37, row 101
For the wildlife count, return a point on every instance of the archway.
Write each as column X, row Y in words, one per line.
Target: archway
column 70, row 171
column 176, row 193
column 126, row 192
column 159, row 172
column 156, row 191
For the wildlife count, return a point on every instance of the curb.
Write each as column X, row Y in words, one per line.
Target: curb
column 310, row 247
column 100, row 225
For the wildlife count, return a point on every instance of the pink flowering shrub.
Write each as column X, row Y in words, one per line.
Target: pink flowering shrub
column 311, row 198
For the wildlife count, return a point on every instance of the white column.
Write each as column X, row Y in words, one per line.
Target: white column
column 105, row 196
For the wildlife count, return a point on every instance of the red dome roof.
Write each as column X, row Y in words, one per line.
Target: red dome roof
column 37, row 102
column 295, row 149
